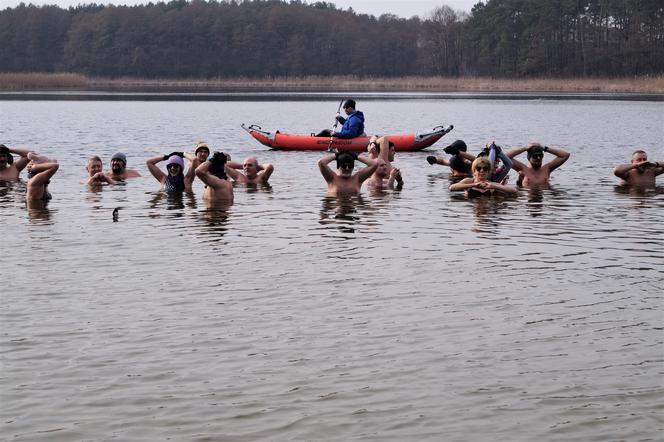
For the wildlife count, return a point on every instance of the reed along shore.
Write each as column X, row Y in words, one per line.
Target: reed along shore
column 71, row 81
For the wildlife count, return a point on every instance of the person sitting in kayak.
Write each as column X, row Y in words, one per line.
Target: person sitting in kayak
column 353, row 126
column 344, row 182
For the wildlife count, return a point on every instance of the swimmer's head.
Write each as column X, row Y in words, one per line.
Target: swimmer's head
column 218, row 165
column 6, row 156
column 202, row 149
column 94, row 165
column 118, row 162
column 482, row 168
column 346, row 162
column 639, row 156
column 382, row 169
column 250, row 167
column 535, row 155
column 175, row 165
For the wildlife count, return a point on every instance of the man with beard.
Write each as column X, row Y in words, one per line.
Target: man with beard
column 640, row 172
column 252, row 172
column 344, row 182
column 213, row 174
column 536, row 175
column 10, row 169
column 119, row 171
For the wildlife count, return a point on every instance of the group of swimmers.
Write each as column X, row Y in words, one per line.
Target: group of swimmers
column 477, row 175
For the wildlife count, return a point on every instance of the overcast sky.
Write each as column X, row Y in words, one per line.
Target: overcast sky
column 402, row 8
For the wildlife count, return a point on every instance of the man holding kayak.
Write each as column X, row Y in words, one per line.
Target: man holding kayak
column 353, row 125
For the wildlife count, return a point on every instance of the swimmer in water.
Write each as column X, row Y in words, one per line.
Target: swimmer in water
column 119, row 171
column 252, row 172
column 200, row 155
column 535, row 174
column 174, row 179
column 213, row 175
column 40, row 170
column 344, row 182
column 382, row 150
column 96, row 175
column 480, row 184
column 10, row 169
column 458, row 162
column 639, row 172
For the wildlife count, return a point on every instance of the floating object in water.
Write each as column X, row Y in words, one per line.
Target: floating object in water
column 402, row 143
column 116, row 213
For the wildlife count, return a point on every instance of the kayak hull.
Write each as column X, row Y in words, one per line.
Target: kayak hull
column 283, row 141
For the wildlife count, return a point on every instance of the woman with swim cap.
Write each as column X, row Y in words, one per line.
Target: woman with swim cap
column 173, row 180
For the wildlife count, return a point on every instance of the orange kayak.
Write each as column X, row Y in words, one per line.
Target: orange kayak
column 403, row 143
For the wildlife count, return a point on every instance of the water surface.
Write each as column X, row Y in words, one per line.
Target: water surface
column 412, row 315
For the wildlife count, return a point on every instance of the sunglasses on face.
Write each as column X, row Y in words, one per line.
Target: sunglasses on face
column 173, row 166
column 482, row 169
column 537, row 156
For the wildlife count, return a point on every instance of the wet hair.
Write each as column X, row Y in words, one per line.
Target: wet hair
column 218, row 164
column 94, row 158
column 349, row 103
column 4, row 150
column 639, row 151
column 345, row 158
column 482, row 161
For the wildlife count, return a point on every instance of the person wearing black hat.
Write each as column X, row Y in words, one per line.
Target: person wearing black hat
column 639, row 172
column 344, row 182
column 119, row 171
column 536, row 173
column 353, row 126
column 213, row 174
column 10, row 169
column 459, row 161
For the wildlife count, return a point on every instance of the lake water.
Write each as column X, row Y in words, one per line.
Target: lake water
column 405, row 316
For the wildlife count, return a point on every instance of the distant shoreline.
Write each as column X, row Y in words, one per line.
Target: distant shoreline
column 25, row 82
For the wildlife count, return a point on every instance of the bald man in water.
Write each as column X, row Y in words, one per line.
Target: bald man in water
column 252, row 172
column 639, row 172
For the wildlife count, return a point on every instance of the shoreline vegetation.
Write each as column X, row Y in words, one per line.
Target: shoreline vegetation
column 21, row 82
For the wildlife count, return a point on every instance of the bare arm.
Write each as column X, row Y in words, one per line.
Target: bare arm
column 516, row 164
column 234, row 165
column 325, row 170
column 364, row 173
column 267, row 171
column 203, row 173
column 42, row 173
column 464, row 184
column 154, row 169
column 232, row 172
column 501, row 188
column 561, row 157
column 23, row 153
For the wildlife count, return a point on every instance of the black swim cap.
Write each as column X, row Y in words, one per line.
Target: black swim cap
column 4, row 150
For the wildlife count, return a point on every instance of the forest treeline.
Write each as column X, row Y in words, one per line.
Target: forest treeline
column 273, row 38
